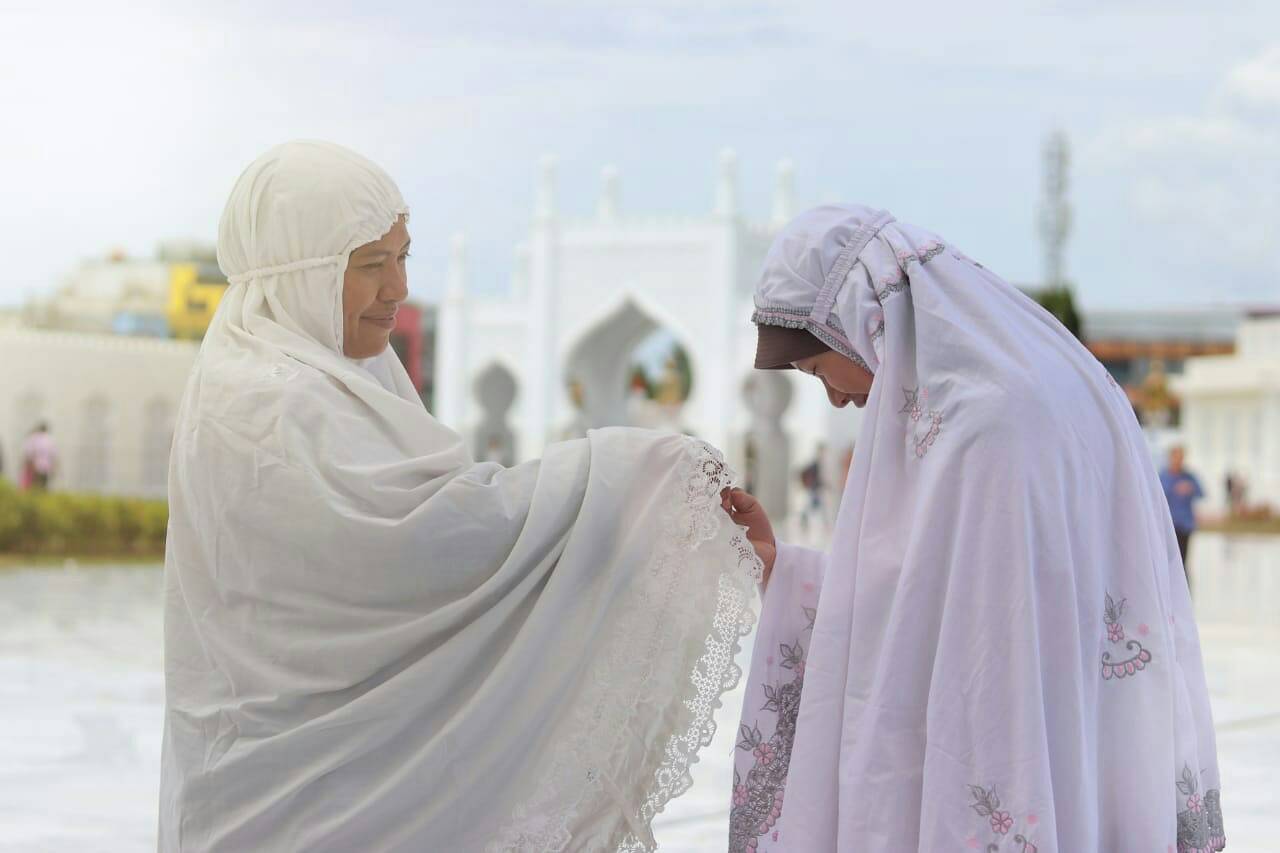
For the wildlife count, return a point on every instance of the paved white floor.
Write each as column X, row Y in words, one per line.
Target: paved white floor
column 81, row 696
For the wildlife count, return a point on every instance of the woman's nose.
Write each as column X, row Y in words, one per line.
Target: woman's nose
column 838, row 398
column 396, row 287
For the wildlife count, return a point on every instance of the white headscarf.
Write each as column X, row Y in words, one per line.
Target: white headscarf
column 375, row 643
column 1003, row 655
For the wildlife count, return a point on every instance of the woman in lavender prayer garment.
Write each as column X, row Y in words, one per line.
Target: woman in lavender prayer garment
column 998, row 651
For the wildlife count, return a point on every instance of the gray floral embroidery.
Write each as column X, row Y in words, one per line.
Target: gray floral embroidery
column 928, row 422
column 891, row 286
column 1138, row 657
column 922, row 256
column 757, row 799
column 987, row 804
column 1200, row 828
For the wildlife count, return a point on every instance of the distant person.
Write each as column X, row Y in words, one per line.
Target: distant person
column 1237, row 489
column 1181, row 490
column 811, row 480
column 39, row 458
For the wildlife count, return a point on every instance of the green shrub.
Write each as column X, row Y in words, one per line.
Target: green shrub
column 72, row 524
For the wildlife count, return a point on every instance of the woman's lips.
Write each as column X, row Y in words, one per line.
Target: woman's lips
column 386, row 322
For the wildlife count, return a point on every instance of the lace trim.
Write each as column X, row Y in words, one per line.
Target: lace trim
column 793, row 318
column 607, row 754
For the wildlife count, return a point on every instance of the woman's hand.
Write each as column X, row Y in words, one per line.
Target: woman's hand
column 744, row 509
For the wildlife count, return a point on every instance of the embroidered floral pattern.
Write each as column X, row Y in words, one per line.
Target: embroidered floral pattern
column 921, row 256
column 987, row 804
column 757, row 799
column 891, row 286
column 928, row 422
column 1138, row 657
column 1200, row 828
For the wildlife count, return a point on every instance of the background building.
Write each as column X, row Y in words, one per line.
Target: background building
column 110, row 402
column 1231, row 414
column 556, row 354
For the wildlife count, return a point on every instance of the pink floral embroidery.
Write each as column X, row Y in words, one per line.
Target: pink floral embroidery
column 987, row 804
column 757, row 796
column 1139, row 656
column 916, row 409
column 1144, row 629
column 1200, row 827
column 1033, row 819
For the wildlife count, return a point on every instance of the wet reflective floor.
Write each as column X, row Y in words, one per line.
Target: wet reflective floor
column 81, row 697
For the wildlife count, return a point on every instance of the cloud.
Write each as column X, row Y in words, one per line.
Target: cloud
column 1207, row 180
column 1256, row 83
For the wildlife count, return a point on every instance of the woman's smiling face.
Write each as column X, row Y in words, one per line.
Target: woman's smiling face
column 373, row 287
column 845, row 381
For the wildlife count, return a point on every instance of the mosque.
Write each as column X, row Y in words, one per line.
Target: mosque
column 557, row 354
column 551, row 357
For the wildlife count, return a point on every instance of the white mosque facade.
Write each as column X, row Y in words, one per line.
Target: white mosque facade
column 109, row 401
column 1231, row 414
column 550, row 358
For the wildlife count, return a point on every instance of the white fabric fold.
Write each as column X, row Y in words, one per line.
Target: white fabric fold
column 373, row 642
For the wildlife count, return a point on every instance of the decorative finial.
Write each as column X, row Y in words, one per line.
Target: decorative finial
column 727, row 185
column 545, row 206
column 607, row 208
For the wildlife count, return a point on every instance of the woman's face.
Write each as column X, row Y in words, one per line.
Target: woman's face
column 845, row 381
column 372, row 289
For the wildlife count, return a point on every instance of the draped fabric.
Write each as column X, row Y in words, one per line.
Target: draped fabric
column 373, row 642
column 1002, row 654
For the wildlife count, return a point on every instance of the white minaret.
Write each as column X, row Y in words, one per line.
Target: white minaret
column 717, row 401
column 727, row 184
column 452, row 370
column 607, row 206
column 541, row 358
column 520, row 273
column 784, row 193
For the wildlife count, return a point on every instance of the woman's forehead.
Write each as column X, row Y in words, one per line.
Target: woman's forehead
column 394, row 240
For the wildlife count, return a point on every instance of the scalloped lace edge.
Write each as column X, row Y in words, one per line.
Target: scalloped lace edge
column 622, row 690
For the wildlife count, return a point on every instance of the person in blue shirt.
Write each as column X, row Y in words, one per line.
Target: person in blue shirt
column 1181, row 490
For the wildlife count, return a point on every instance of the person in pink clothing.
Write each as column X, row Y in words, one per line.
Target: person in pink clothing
column 39, row 458
column 997, row 652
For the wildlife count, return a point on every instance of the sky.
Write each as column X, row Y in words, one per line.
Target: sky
column 128, row 123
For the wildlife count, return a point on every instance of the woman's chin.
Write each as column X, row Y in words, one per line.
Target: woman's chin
column 365, row 349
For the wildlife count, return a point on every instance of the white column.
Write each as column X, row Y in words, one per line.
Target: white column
column 452, row 371
column 543, row 376
column 784, row 190
column 719, row 395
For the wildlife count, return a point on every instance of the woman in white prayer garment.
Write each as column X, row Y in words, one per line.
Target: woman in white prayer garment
column 998, row 651
column 372, row 641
